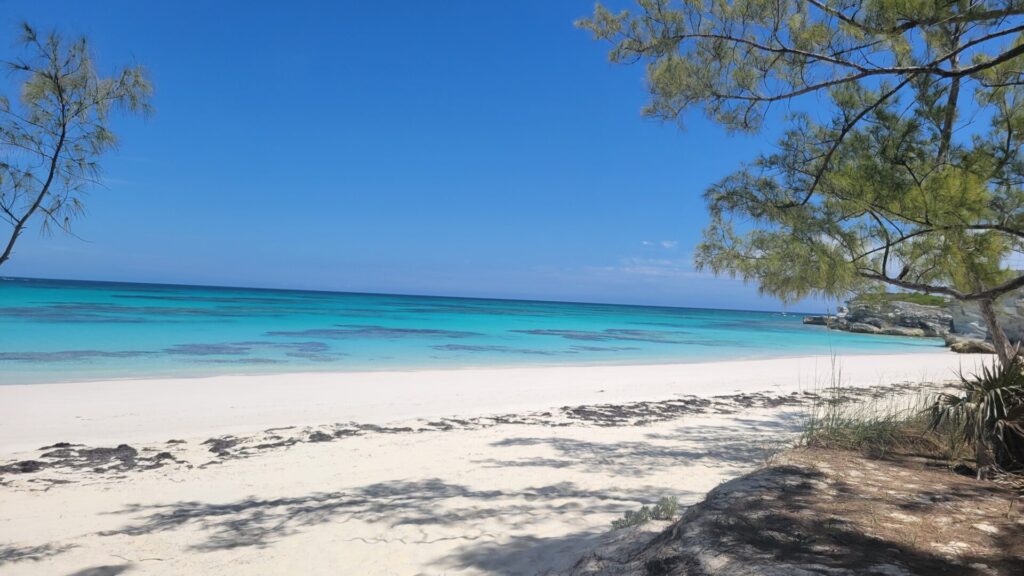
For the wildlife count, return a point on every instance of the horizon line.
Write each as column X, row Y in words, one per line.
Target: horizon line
column 399, row 294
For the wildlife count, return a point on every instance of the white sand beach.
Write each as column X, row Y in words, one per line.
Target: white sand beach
column 524, row 490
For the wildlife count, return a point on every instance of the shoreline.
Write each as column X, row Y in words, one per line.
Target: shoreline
column 938, row 348
column 153, row 410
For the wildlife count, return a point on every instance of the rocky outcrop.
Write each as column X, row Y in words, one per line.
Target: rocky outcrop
column 889, row 317
column 969, row 345
column 818, row 513
column 967, row 320
column 959, row 323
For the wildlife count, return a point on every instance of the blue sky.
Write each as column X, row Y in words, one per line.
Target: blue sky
column 461, row 148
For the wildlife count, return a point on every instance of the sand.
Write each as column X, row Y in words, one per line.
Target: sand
column 509, row 495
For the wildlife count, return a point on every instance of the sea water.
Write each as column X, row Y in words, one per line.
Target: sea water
column 60, row 331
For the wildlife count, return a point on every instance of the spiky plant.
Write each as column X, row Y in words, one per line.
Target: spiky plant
column 989, row 412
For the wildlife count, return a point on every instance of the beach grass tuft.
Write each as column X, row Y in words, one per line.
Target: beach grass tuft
column 881, row 425
column 664, row 509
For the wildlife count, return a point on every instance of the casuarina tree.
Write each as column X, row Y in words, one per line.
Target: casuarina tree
column 54, row 130
column 899, row 163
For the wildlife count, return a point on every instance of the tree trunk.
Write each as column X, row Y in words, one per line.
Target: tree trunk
column 1004, row 349
column 982, row 459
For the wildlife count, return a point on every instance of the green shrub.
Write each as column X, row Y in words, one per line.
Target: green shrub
column 912, row 297
column 664, row 509
column 988, row 411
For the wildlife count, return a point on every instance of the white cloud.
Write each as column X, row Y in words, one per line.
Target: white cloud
column 658, row 281
column 668, row 244
column 649, row 269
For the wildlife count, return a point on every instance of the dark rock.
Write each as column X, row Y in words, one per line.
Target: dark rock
column 280, row 443
column 222, row 445
column 65, row 456
column 398, row 430
column 931, row 320
column 320, row 437
column 59, row 445
column 962, row 345
column 60, row 453
column 863, row 328
column 890, row 317
column 23, row 467
column 122, row 457
column 903, row 331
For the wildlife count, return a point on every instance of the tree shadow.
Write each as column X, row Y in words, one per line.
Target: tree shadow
column 929, row 499
column 522, row 555
column 11, row 554
column 784, row 519
column 737, row 446
column 799, row 534
column 108, row 570
column 258, row 522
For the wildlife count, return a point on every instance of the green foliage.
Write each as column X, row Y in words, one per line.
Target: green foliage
column 878, row 190
column 888, row 209
column 879, row 426
column 665, row 509
column 912, row 297
column 983, row 422
column 735, row 59
column 56, row 129
column 989, row 413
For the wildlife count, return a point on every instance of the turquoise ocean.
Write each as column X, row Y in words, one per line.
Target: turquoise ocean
column 61, row 331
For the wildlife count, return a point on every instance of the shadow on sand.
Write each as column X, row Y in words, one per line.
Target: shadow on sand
column 10, row 554
column 792, row 519
column 807, row 531
column 749, row 443
column 498, row 527
column 109, row 570
column 257, row 522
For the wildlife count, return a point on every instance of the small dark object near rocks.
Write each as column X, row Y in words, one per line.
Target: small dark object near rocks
column 59, row 445
column 964, row 470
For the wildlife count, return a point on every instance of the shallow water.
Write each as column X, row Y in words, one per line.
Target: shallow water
column 54, row 331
